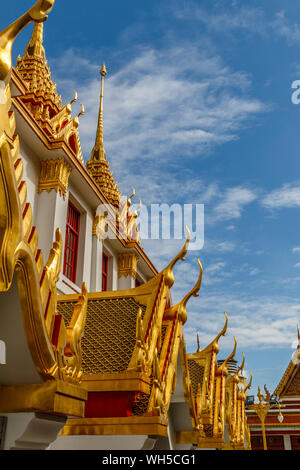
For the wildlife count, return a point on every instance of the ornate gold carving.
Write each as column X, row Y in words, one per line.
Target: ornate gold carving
column 128, row 220
column 54, row 174
column 70, row 358
column 168, row 271
column 41, row 97
column 180, row 308
column 99, row 226
column 223, row 367
column 127, row 265
column 19, row 246
column 235, row 409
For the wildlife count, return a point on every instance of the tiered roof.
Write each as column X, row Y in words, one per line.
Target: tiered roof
column 41, row 97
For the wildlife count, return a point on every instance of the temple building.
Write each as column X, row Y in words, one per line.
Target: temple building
column 282, row 422
column 92, row 349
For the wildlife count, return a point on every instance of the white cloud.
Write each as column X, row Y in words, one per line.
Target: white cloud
column 288, row 196
column 233, row 203
column 297, row 265
column 161, row 108
column 249, row 19
column 258, row 323
column 296, row 249
column 225, row 246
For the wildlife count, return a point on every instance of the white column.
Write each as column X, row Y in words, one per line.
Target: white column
column 96, row 266
column 287, row 442
column 51, row 214
column 126, row 283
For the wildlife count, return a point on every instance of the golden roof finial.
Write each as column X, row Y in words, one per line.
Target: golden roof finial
column 35, row 46
column 34, row 70
column 241, row 368
column 223, row 366
column 39, row 12
column 168, row 271
column 97, row 165
column 249, row 384
column 98, row 152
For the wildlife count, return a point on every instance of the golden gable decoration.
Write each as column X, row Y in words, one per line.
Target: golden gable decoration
column 54, row 174
column 127, row 265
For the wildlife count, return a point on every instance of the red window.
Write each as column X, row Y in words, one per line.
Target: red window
column 71, row 245
column 104, row 272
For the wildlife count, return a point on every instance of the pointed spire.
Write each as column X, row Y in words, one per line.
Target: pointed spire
column 98, row 152
column 35, row 46
column 97, row 165
column 34, row 70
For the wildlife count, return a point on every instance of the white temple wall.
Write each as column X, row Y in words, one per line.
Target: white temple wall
column 31, row 171
column 19, row 368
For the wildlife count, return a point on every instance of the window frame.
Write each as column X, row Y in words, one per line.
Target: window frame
column 105, row 260
column 72, row 229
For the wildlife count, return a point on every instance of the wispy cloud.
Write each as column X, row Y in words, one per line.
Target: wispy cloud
column 233, row 202
column 288, row 196
column 160, row 107
column 250, row 19
column 257, row 323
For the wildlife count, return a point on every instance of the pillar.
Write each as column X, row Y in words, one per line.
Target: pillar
column 52, row 202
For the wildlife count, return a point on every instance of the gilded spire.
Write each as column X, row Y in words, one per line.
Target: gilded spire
column 98, row 151
column 97, row 165
column 41, row 98
column 35, row 46
column 34, row 70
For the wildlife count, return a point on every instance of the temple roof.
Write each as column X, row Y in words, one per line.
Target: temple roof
column 289, row 384
column 110, row 333
column 33, row 68
column 41, row 97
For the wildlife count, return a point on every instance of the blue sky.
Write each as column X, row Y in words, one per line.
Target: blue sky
column 198, row 110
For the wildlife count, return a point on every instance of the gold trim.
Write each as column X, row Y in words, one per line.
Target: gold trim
column 125, row 382
column 48, row 397
column 19, row 251
column 134, row 425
